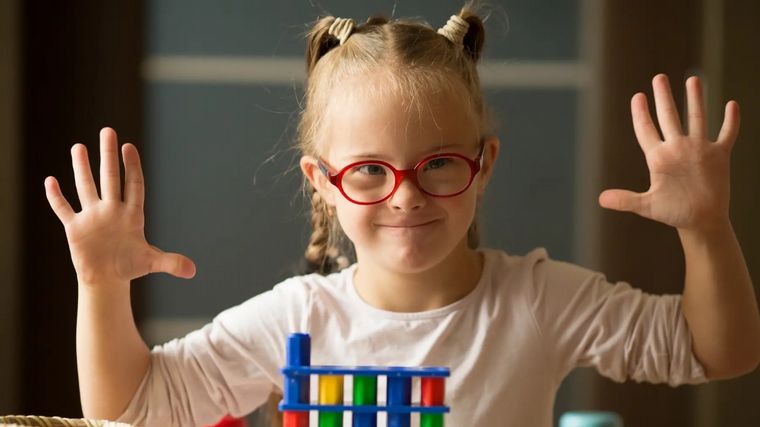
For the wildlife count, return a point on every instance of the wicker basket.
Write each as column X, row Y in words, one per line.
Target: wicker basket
column 23, row 421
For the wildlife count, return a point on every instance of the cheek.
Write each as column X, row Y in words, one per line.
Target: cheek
column 463, row 207
column 461, row 213
column 354, row 219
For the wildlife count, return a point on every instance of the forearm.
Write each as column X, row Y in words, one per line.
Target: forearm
column 112, row 357
column 719, row 302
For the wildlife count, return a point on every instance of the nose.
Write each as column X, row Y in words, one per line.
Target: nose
column 408, row 196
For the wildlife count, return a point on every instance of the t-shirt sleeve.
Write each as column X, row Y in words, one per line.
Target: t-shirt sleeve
column 230, row 366
column 623, row 332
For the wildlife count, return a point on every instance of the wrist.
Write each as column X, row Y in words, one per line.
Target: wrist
column 108, row 303
column 717, row 227
column 715, row 237
column 103, row 289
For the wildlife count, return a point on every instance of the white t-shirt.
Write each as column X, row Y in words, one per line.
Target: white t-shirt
column 509, row 343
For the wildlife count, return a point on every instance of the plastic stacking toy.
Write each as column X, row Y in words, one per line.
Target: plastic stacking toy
column 296, row 403
column 590, row 419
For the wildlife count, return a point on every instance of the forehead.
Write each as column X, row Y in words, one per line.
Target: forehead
column 393, row 117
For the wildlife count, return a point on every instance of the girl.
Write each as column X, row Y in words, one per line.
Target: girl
column 397, row 152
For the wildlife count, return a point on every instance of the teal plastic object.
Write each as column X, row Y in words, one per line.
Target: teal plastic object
column 590, row 419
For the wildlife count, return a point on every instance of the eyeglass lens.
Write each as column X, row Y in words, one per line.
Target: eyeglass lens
column 439, row 176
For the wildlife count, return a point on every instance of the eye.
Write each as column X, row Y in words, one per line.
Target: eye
column 370, row 169
column 437, row 163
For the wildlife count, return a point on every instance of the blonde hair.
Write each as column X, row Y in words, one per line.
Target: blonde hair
column 418, row 62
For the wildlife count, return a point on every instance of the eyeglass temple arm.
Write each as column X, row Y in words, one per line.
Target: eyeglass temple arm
column 323, row 168
column 482, row 150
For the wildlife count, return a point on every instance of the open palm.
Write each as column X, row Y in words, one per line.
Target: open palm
column 106, row 238
column 689, row 174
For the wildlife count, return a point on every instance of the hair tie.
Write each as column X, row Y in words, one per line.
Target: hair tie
column 455, row 29
column 341, row 29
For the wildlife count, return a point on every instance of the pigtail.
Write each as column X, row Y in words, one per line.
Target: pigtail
column 465, row 31
column 323, row 254
column 327, row 33
column 316, row 254
column 319, row 42
column 475, row 36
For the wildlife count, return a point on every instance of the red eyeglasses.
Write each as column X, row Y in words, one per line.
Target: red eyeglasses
column 373, row 181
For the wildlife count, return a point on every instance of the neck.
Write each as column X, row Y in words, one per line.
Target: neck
column 445, row 283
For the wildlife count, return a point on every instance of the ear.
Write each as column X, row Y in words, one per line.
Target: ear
column 490, row 153
column 318, row 180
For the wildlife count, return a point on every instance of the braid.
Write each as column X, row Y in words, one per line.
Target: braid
column 317, row 251
column 323, row 253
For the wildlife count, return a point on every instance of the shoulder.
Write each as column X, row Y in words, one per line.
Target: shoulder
column 301, row 293
column 515, row 268
column 535, row 271
column 285, row 307
column 315, row 285
column 296, row 293
column 501, row 259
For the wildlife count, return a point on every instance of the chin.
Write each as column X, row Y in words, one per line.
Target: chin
column 414, row 260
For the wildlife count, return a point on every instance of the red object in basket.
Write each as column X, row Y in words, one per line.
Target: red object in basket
column 295, row 419
column 229, row 421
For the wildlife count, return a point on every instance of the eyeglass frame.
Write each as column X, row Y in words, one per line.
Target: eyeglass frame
column 336, row 179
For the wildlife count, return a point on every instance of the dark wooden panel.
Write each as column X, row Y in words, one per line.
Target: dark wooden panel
column 735, row 401
column 642, row 39
column 81, row 72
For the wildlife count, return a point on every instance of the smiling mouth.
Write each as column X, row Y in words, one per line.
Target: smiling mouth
column 409, row 225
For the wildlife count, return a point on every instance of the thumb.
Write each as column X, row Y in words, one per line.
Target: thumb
column 172, row 263
column 623, row 200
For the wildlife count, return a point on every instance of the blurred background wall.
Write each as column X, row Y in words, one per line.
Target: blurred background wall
column 209, row 93
column 10, row 206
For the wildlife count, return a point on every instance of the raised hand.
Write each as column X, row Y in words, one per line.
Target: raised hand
column 106, row 238
column 688, row 174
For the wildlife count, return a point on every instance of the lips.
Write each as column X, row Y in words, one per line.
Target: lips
column 408, row 224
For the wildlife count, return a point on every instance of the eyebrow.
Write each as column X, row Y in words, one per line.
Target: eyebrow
column 379, row 156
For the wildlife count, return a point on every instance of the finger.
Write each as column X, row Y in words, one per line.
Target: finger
column 134, row 183
column 646, row 132
column 667, row 114
column 60, row 205
column 86, row 190
column 174, row 264
column 730, row 128
column 110, row 185
column 624, row 200
column 696, row 108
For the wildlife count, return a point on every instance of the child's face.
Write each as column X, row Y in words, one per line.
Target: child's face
column 410, row 231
